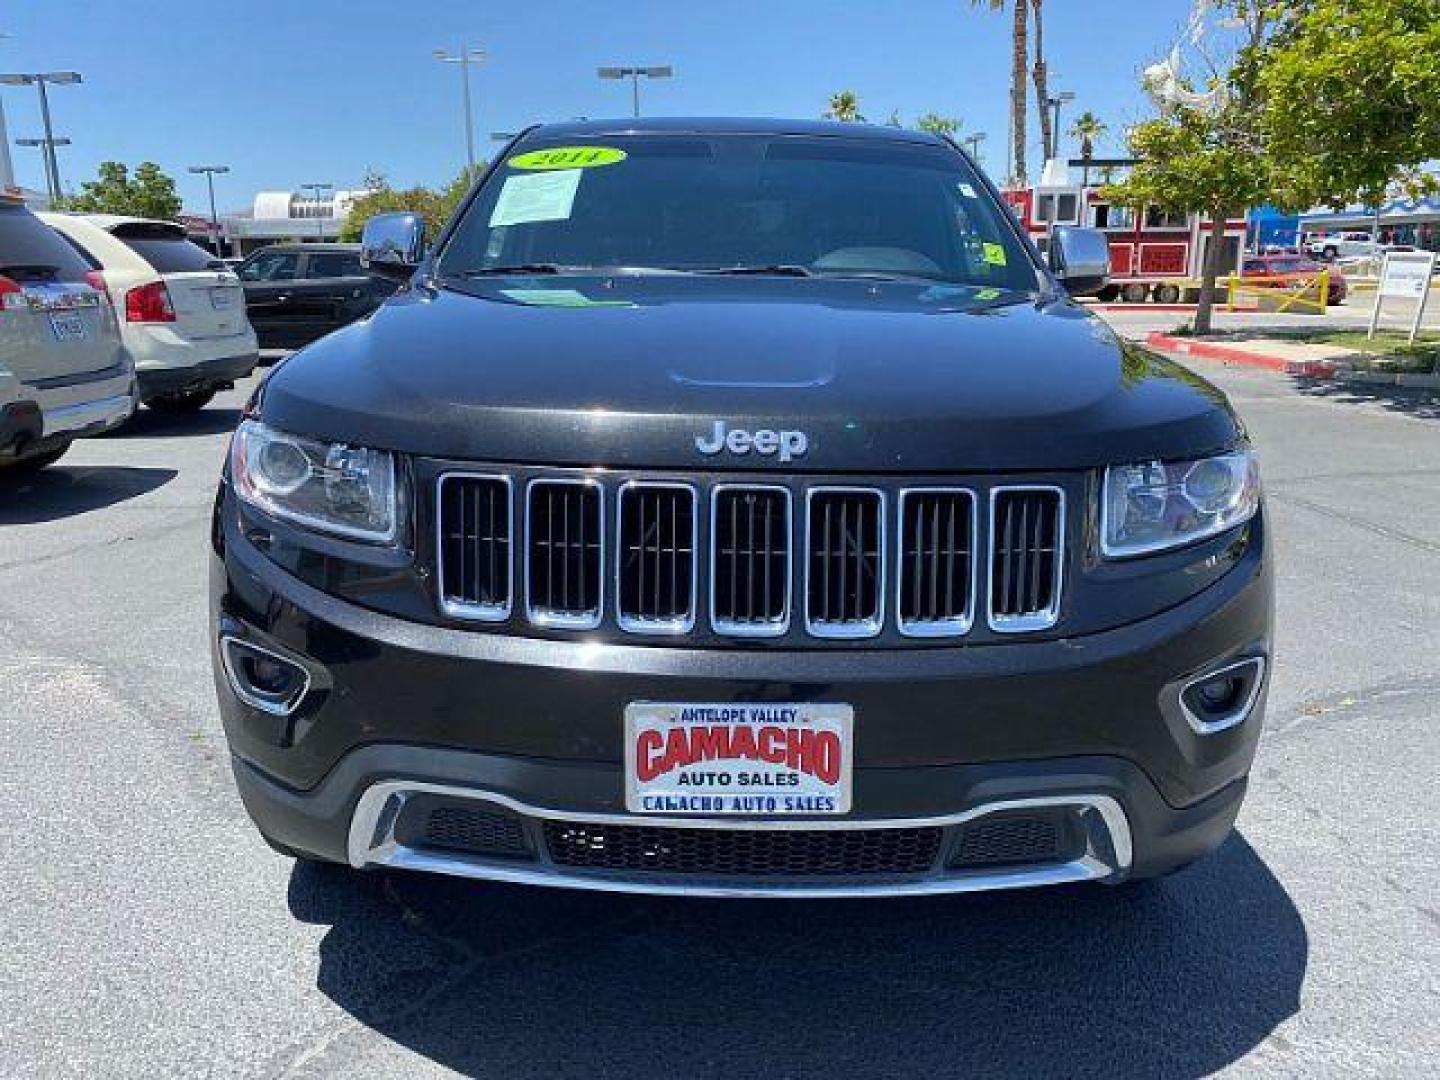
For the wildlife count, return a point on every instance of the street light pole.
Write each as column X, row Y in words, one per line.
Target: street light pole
column 467, row 55
column 1054, row 103
column 315, row 192
column 210, row 171
column 973, row 141
column 46, row 149
column 633, row 72
column 38, row 79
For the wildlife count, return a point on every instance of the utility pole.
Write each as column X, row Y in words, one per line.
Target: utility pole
column 210, row 171
column 38, row 79
column 634, row 72
column 465, row 57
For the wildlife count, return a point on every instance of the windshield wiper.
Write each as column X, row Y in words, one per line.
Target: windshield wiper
column 773, row 269
column 515, row 268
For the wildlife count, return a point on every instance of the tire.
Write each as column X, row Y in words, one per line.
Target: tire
column 191, row 401
column 26, row 466
column 1167, row 294
column 1329, row 254
column 1134, row 293
column 1108, row 293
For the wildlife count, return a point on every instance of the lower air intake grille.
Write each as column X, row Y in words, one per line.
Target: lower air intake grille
column 476, row 524
column 750, row 571
column 937, row 552
column 476, row 831
column 564, row 553
column 846, row 552
column 743, row 852
column 1027, row 530
column 656, row 575
column 1014, row 839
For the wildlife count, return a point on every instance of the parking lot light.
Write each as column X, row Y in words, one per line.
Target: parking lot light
column 210, row 171
column 316, row 190
column 38, row 79
column 634, row 73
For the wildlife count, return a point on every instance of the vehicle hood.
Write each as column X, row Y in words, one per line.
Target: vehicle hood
column 629, row 371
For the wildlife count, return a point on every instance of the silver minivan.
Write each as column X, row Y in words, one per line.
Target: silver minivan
column 65, row 372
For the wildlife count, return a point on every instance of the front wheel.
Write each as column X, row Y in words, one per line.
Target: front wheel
column 1329, row 254
column 1167, row 294
column 189, row 402
column 1134, row 293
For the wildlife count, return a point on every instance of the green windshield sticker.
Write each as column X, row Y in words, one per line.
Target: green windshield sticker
column 568, row 157
column 995, row 254
column 548, row 196
column 566, row 298
column 987, row 294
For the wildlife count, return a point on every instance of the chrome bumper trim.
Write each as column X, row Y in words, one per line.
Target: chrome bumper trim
column 372, row 842
column 110, row 411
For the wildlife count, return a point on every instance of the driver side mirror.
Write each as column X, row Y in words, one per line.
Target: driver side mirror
column 1080, row 259
column 392, row 245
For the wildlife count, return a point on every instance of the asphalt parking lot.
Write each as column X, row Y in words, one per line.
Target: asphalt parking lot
column 148, row 931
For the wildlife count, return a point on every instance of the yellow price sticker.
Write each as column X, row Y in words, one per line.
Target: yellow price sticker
column 987, row 294
column 568, row 157
column 994, row 254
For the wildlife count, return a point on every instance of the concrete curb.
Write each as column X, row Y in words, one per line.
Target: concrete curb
column 1211, row 350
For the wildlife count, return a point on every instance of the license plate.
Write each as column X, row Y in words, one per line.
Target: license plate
column 718, row 759
column 222, row 299
column 67, row 327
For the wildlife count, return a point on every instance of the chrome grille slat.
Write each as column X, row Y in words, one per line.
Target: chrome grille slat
column 564, row 561
column 935, row 587
column 473, row 545
column 656, row 569
column 1026, row 557
column 564, row 553
column 757, row 571
column 849, row 557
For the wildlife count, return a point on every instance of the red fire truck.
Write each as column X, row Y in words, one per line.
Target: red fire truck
column 1154, row 255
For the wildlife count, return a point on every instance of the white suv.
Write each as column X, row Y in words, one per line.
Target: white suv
column 1344, row 245
column 182, row 310
column 63, row 370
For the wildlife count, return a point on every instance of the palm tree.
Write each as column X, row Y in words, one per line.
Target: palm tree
column 1019, row 52
column 845, row 106
column 1087, row 127
column 1040, row 74
column 936, row 124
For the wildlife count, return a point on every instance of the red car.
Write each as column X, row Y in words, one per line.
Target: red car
column 1290, row 269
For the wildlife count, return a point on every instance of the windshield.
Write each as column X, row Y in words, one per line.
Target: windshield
column 782, row 204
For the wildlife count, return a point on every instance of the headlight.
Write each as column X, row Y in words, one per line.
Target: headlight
column 330, row 487
column 1170, row 504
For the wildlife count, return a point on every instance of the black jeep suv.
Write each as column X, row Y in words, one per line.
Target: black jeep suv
column 740, row 508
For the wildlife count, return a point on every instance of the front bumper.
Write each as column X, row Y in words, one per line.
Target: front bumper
column 397, row 712
column 220, row 373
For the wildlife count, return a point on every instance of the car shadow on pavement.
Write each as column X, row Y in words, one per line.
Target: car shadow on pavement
column 60, row 492
column 149, row 424
column 1177, row 977
column 1420, row 403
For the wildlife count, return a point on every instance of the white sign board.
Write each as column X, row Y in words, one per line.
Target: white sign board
column 1405, row 275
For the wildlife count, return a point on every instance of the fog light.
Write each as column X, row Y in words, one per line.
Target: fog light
column 262, row 678
column 1223, row 698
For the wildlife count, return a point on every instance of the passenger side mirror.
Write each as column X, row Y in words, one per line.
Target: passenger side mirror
column 1080, row 258
column 392, row 245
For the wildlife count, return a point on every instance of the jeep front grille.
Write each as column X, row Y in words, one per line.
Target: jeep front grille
column 734, row 559
column 564, row 553
column 1027, row 539
column 935, row 587
column 656, row 565
column 845, row 549
column 476, row 524
column 750, row 561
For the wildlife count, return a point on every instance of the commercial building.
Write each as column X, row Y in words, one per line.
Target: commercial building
column 278, row 217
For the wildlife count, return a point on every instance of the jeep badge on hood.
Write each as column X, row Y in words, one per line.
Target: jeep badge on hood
column 788, row 444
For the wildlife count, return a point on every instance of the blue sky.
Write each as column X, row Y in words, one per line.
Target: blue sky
column 293, row 91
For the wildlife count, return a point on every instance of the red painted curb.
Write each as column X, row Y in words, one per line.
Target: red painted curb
column 1120, row 305
column 1209, row 350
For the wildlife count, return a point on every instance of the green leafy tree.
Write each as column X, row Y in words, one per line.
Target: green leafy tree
column 845, row 107
column 1322, row 101
column 1352, row 97
column 936, row 124
column 434, row 206
column 148, row 193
